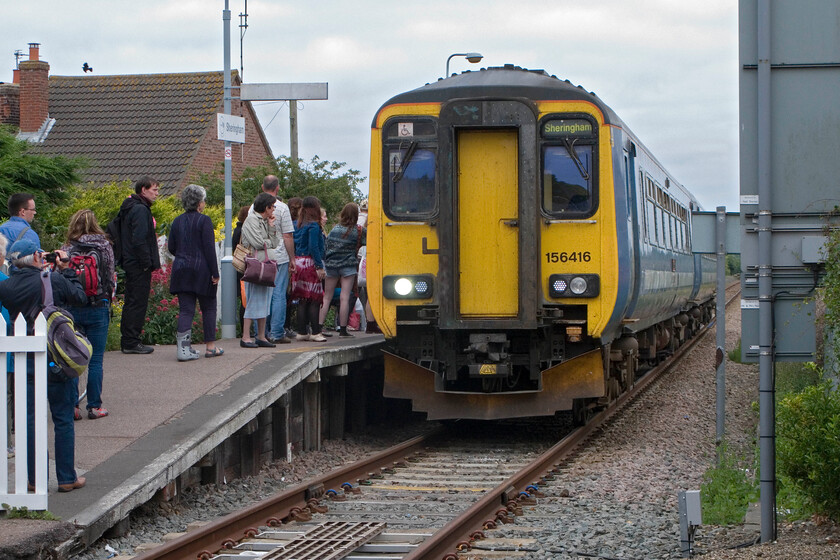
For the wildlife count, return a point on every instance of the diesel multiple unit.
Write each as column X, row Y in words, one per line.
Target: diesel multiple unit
column 526, row 253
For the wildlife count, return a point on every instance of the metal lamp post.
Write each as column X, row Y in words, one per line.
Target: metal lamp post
column 471, row 56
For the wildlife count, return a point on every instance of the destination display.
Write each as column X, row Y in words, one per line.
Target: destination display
column 568, row 127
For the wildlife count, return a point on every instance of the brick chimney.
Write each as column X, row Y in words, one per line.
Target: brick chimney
column 34, row 91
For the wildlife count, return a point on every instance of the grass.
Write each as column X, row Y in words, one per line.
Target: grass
column 25, row 513
column 727, row 490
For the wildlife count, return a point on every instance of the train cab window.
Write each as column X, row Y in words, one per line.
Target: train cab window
column 567, row 180
column 411, row 181
column 409, row 168
column 569, row 165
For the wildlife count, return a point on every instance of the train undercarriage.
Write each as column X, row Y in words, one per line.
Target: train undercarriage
column 493, row 374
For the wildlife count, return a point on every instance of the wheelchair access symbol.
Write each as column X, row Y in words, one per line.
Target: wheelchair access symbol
column 406, row 130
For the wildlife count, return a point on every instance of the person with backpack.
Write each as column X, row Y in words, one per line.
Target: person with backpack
column 22, row 294
column 92, row 257
column 137, row 253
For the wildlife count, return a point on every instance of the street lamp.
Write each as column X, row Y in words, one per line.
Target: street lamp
column 471, row 56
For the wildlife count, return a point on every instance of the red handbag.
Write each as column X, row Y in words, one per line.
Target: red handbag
column 260, row 272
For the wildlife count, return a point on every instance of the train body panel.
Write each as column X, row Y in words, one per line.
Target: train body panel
column 525, row 251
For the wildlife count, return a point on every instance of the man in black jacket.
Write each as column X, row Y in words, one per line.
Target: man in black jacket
column 21, row 295
column 139, row 258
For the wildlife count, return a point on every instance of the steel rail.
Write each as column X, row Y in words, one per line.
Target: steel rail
column 226, row 531
column 457, row 534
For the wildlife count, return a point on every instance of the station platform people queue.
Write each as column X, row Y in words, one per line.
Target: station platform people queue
column 21, row 295
column 195, row 273
column 342, row 264
column 284, row 255
column 84, row 235
column 309, row 270
column 139, row 257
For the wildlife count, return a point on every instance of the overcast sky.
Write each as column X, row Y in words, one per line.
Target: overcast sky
column 668, row 68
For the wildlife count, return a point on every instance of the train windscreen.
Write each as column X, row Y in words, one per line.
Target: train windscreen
column 567, row 178
column 411, row 177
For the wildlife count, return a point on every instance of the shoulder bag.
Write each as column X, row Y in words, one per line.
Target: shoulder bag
column 260, row 272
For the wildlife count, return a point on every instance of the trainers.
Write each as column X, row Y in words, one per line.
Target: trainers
column 139, row 349
column 77, row 413
column 318, row 338
column 94, row 413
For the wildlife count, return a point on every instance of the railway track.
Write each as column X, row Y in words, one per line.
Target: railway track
column 430, row 497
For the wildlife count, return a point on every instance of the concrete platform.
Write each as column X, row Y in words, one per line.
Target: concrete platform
column 165, row 416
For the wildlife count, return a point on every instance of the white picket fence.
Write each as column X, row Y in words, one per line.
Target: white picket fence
column 14, row 491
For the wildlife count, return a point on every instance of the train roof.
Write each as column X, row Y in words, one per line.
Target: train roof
column 502, row 81
column 514, row 81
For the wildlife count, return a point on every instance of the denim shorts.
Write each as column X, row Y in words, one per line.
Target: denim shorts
column 341, row 272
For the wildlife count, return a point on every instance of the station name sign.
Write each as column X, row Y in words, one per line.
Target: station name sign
column 567, row 127
column 231, row 128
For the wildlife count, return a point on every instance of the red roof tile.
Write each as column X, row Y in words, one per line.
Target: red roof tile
column 133, row 125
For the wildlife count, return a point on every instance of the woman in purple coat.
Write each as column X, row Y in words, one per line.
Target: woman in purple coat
column 195, row 272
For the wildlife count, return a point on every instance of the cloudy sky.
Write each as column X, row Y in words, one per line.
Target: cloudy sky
column 668, row 68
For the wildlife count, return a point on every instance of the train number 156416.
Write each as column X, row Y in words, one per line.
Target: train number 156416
column 573, row 256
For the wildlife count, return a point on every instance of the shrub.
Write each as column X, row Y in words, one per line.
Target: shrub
column 794, row 377
column 104, row 201
column 162, row 316
column 808, row 445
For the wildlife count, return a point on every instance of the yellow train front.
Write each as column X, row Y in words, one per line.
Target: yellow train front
column 505, row 261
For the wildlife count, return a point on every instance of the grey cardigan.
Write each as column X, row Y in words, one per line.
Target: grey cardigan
column 256, row 233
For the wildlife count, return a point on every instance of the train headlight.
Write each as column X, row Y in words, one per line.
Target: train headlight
column 403, row 286
column 578, row 285
column 574, row 285
column 415, row 286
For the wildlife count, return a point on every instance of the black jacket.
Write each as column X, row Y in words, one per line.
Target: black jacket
column 137, row 235
column 21, row 293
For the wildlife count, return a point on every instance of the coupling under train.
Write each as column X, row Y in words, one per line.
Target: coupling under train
column 526, row 253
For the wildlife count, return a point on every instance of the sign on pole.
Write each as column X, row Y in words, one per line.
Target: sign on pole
column 278, row 91
column 230, row 128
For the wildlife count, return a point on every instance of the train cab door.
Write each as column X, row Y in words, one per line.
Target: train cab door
column 489, row 217
column 488, row 223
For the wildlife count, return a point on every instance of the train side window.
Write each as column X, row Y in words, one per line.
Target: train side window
column 411, row 181
column 673, row 224
column 567, row 180
column 650, row 214
column 660, row 234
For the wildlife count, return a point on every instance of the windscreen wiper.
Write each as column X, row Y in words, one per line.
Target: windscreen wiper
column 409, row 153
column 570, row 147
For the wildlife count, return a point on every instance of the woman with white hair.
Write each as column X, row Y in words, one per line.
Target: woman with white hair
column 195, row 272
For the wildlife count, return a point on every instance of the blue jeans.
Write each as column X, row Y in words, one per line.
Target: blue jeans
column 93, row 323
column 278, row 301
column 61, row 396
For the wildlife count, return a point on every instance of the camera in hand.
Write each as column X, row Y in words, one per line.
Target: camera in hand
column 53, row 257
